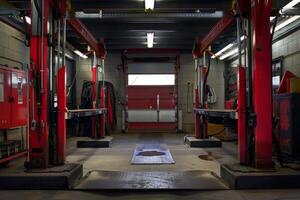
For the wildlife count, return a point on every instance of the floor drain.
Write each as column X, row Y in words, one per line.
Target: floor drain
column 209, row 157
column 151, row 153
column 206, row 157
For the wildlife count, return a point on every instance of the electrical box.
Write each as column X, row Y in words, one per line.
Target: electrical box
column 13, row 98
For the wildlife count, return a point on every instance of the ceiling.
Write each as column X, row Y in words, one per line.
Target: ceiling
column 123, row 24
column 175, row 23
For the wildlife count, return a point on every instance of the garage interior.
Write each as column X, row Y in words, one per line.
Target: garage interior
column 149, row 99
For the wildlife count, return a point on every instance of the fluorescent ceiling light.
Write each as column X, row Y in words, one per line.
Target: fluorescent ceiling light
column 224, row 49
column 28, row 20
column 149, row 4
column 80, row 54
column 291, row 4
column 150, row 40
column 243, row 37
column 286, row 22
column 230, row 53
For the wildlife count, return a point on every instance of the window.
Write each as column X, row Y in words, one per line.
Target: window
column 276, row 73
column 151, row 79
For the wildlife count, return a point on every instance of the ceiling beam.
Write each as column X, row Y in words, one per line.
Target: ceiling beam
column 164, row 4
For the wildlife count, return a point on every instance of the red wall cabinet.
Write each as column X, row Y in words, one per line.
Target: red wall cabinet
column 13, row 98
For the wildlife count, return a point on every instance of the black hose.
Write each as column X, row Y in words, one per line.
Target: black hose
column 205, row 80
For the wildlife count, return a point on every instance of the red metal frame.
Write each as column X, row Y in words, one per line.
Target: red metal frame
column 201, row 46
column 214, row 33
column 61, row 121
column 84, row 33
column 100, row 50
column 260, row 13
column 94, row 119
column 242, row 138
column 197, row 117
column 39, row 136
column 13, row 157
column 262, row 76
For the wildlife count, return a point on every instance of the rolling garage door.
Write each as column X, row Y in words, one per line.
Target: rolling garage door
column 151, row 99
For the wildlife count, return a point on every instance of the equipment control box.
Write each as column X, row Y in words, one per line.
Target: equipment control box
column 13, row 98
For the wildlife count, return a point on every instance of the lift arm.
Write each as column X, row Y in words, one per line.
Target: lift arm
column 84, row 33
column 201, row 46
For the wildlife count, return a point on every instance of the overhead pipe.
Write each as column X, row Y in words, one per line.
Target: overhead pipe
column 116, row 15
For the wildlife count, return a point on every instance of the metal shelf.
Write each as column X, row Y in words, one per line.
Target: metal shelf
column 231, row 114
column 84, row 112
column 13, row 157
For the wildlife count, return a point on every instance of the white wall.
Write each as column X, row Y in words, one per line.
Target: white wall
column 289, row 48
column 113, row 74
column 185, row 95
column 15, row 54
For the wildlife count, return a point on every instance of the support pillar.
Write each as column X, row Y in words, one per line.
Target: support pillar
column 38, row 78
column 95, row 82
column 196, row 101
column 102, row 103
column 242, row 137
column 262, row 77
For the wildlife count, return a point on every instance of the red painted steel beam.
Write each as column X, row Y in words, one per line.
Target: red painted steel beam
column 214, row 33
column 38, row 106
column 262, row 77
column 84, row 33
column 201, row 46
column 61, row 121
column 242, row 122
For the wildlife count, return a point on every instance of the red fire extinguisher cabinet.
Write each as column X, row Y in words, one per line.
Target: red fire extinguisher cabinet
column 13, row 98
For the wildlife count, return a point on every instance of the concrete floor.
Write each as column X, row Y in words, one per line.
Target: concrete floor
column 126, row 195
column 118, row 158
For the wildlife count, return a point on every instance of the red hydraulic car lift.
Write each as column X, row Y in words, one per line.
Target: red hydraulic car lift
column 100, row 53
column 41, row 108
column 254, row 125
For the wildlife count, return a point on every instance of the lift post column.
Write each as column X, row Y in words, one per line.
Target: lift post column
column 196, row 99
column 102, row 102
column 262, row 85
column 61, row 100
column 95, row 82
column 38, row 79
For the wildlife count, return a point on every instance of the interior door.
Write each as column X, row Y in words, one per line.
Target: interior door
column 152, row 107
column 5, row 99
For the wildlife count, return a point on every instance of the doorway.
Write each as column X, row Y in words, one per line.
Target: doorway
column 151, row 97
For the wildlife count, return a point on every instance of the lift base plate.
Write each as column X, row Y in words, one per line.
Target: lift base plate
column 55, row 178
column 202, row 143
column 242, row 177
column 95, row 143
